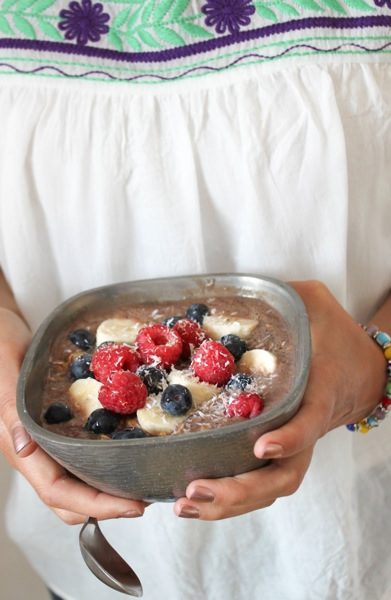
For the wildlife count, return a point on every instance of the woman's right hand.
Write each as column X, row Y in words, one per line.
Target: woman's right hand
column 71, row 499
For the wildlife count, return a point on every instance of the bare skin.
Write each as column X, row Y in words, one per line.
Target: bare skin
column 346, row 382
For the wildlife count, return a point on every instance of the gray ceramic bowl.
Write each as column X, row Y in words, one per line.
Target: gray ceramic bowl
column 160, row 468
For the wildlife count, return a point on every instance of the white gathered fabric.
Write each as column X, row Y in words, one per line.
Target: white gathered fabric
column 281, row 171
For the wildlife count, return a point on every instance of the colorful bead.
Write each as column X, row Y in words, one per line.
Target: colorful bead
column 352, row 426
column 383, row 408
column 380, row 413
column 372, row 421
column 363, row 427
column 382, row 338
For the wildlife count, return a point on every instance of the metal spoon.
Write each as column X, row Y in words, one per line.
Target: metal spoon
column 105, row 563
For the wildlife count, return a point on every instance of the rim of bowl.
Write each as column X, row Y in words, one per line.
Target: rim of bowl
column 263, row 419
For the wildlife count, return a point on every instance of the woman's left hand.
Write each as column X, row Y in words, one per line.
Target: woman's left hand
column 346, row 381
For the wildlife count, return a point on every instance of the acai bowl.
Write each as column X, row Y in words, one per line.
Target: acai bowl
column 211, row 435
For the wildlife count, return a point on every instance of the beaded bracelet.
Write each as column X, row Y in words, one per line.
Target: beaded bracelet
column 383, row 408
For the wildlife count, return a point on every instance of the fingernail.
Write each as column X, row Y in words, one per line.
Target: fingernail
column 272, row 451
column 189, row 512
column 20, row 438
column 202, row 493
column 132, row 513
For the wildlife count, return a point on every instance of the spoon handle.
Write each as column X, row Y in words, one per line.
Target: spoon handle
column 105, row 562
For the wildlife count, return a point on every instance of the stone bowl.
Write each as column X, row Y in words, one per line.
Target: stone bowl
column 160, row 468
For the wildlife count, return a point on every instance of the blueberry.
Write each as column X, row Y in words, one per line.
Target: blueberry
column 170, row 321
column 234, row 344
column 80, row 367
column 176, row 399
column 82, row 338
column 197, row 312
column 240, row 381
column 102, row 420
column 128, row 433
column 153, row 377
column 57, row 413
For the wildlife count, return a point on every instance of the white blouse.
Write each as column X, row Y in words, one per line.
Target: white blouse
column 279, row 167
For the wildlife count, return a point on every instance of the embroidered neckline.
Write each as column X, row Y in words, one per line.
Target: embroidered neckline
column 339, row 23
column 143, row 39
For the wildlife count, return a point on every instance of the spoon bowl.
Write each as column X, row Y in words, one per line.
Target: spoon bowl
column 105, row 563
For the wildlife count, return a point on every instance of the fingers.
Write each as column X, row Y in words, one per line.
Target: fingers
column 309, row 424
column 304, row 429
column 232, row 496
column 71, row 498
column 70, row 518
column 60, row 490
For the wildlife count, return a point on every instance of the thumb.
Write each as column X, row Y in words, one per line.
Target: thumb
column 302, row 431
column 23, row 444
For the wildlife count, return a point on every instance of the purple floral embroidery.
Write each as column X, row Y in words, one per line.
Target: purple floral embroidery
column 84, row 22
column 228, row 14
column 382, row 3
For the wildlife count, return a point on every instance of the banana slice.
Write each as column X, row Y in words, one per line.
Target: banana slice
column 218, row 325
column 155, row 421
column 257, row 362
column 200, row 391
column 84, row 395
column 122, row 331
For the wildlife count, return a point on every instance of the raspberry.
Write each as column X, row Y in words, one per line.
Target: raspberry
column 124, row 393
column 160, row 345
column 213, row 363
column 112, row 357
column 191, row 335
column 246, row 404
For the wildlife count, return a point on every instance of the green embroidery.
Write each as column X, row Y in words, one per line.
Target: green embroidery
column 360, row 5
column 334, row 5
column 42, row 5
column 7, row 4
column 287, row 9
column 4, row 26
column 26, row 16
column 270, row 10
column 22, row 5
column 155, row 24
column 49, row 30
column 24, row 26
column 115, row 40
column 265, row 12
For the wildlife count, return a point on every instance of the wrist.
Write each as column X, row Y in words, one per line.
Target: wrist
column 15, row 336
column 379, row 410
